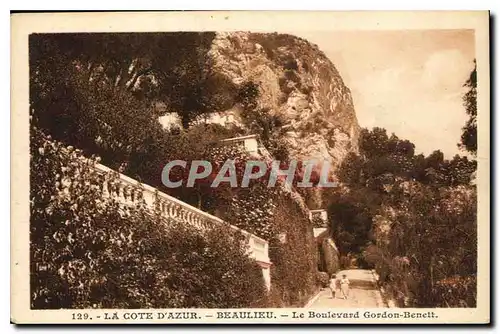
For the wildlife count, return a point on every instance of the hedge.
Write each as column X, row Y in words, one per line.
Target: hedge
column 88, row 252
column 294, row 269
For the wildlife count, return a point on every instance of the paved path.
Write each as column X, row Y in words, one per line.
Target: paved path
column 363, row 293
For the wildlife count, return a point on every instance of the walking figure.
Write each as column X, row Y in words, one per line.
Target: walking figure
column 344, row 286
column 333, row 285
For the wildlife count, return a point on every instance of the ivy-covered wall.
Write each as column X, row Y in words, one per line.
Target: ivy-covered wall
column 271, row 213
column 294, row 257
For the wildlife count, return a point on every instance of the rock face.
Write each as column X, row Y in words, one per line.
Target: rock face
column 296, row 82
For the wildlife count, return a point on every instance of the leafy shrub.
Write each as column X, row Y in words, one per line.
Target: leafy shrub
column 317, row 221
column 271, row 42
column 278, row 148
column 219, row 92
column 456, row 292
column 86, row 251
column 306, row 89
column 305, row 66
column 292, row 76
column 323, row 279
column 283, row 98
column 291, row 64
column 247, row 94
column 284, row 86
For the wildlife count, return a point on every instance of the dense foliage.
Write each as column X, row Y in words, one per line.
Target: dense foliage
column 294, row 258
column 109, row 101
column 262, row 122
column 468, row 141
column 87, row 251
column 411, row 217
column 106, row 94
column 271, row 212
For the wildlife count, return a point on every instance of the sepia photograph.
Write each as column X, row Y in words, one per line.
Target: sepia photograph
column 247, row 171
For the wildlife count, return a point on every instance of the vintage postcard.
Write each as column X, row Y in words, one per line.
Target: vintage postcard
column 250, row 167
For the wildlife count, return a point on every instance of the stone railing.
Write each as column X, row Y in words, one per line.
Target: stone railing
column 128, row 191
column 319, row 230
column 248, row 143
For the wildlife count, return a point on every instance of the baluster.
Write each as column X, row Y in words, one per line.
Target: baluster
column 167, row 212
column 116, row 189
column 148, row 199
column 121, row 196
column 105, row 190
column 158, row 204
column 104, row 187
column 140, row 195
column 137, row 194
column 124, row 193
column 173, row 211
column 176, row 212
column 180, row 212
column 111, row 188
column 133, row 199
column 163, row 207
column 132, row 194
column 127, row 194
column 251, row 247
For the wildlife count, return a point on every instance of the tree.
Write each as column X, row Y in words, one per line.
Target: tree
column 374, row 142
column 100, row 92
column 468, row 141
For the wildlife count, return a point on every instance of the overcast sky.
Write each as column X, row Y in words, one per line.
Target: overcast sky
column 409, row 82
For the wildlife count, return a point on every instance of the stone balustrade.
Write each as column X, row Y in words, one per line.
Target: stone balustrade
column 128, row 191
column 248, row 143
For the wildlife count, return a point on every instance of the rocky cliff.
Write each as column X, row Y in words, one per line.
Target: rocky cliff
column 296, row 82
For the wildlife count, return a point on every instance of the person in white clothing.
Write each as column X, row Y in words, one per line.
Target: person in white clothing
column 333, row 285
column 344, row 286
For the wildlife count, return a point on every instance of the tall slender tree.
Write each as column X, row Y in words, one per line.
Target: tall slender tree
column 468, row 141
